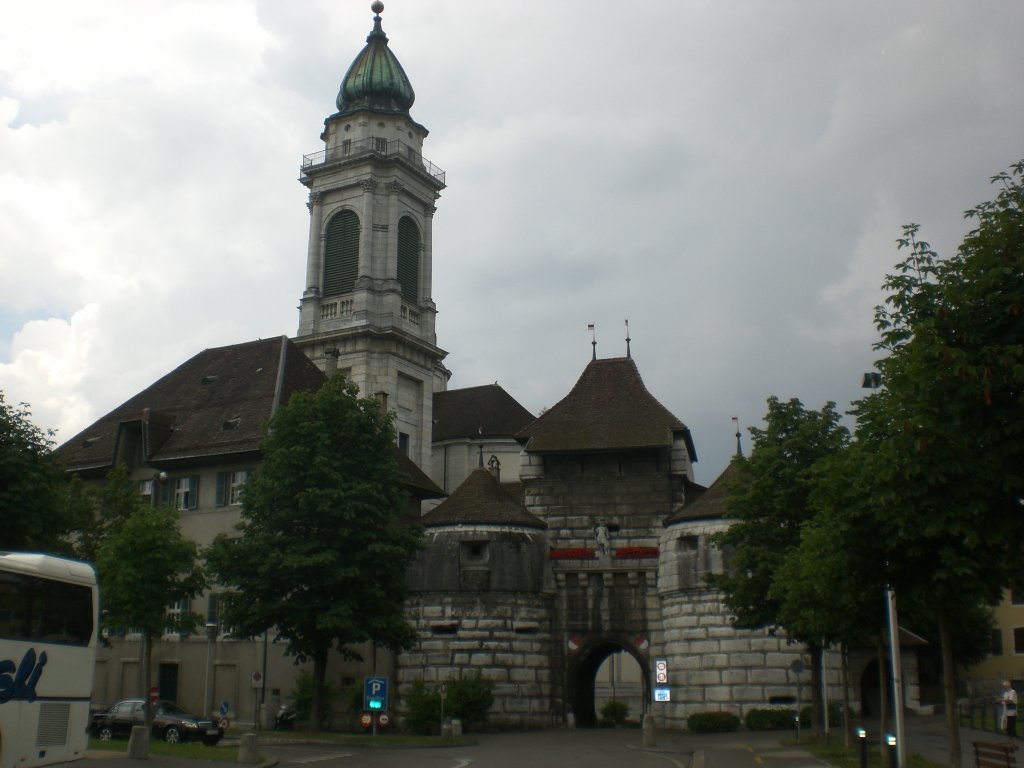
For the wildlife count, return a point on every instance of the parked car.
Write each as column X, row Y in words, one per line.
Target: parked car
column 171, row 723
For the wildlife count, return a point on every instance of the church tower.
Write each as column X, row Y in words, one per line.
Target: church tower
column 367, row 309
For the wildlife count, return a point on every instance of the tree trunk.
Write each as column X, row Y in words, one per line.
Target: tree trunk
column 817, row 700
column 949, row 685
column 317, row 707
column 845, row 655
column 147, row 676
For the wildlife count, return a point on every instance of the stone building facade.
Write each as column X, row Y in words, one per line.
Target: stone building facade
column 564, row 540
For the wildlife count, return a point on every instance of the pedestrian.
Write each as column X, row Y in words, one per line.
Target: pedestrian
column 1009, row 701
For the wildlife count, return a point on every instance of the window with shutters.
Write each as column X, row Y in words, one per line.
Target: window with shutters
column 229, row 487
column 186, row 492
column 409, row 259
column 341, row 253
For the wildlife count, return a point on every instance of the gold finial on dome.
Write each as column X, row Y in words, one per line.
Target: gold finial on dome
column 377, row 6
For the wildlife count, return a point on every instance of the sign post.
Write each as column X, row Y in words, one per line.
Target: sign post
column 661, row 690
column 375, row 697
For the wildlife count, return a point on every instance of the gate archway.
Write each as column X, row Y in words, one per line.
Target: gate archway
column 583, row 673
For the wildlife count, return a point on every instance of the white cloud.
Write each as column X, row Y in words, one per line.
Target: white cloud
column 731, row 177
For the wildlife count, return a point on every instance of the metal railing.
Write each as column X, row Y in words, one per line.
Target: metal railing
column 350, row 149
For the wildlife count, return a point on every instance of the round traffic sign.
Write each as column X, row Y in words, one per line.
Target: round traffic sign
column 224, row 723
column 383, row 719
column 153, row 694
column 366, row 719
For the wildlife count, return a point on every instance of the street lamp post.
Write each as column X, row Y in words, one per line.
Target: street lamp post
column 873, row 380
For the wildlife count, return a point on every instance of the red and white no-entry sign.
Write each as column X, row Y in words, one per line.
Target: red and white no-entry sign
column 153, row 694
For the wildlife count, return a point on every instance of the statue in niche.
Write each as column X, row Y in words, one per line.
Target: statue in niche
column 603, row 538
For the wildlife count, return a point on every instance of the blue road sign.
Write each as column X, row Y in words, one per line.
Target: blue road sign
column 375, row 693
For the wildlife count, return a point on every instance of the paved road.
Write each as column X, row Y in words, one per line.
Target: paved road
column 567, row 749
column 560, row 749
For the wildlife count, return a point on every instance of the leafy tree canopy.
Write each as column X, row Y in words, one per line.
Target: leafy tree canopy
column 32, row 503
column 771, row 502
column 323, row 550
column 145, row 567
column 943, row 444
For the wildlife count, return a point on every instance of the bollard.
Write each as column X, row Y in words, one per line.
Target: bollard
column 248, row 752
column 647, row 726
column 890, row 739
column 862, row 737
column 138, row 743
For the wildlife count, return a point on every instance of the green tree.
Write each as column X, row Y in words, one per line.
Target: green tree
column 323, row 549
column 944, row 441
column 771, row 503
column 145, row 568
column 31, row 485
column 100, row 510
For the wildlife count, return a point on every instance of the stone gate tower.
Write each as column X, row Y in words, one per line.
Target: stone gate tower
column 367, row 309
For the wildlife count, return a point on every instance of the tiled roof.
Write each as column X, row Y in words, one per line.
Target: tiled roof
column 487, row 411
column 707, row 504
column 609, row 408
column 214, row 404
column 480, row 500
column 417, row 482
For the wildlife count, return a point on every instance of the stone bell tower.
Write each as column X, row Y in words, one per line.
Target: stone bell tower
column 367, row 309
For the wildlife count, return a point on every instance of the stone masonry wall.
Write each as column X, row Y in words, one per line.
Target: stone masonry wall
column 507, row 637
column 714, row 666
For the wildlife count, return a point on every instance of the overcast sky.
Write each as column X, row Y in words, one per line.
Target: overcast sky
column 728, row 175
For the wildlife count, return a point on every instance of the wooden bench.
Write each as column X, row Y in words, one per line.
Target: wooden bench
column 990, row 755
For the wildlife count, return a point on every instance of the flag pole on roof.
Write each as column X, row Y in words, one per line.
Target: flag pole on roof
column 593, row 340
column 628, row 355
column 739, row 447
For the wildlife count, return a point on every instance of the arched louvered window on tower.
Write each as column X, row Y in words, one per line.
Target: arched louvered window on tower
column 409, row 259
column 341, row 253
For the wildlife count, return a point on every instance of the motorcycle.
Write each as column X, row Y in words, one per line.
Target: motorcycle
column 285, row 718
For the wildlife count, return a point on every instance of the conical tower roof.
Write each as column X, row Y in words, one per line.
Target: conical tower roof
column 480, row 500
column 376, row 81
column 608, row 409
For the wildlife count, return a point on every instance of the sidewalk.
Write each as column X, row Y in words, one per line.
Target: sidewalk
column 926, row 736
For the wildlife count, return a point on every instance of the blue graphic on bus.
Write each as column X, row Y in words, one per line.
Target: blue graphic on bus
column 20, row 685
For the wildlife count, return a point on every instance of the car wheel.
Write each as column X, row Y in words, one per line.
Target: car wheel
column 172, row 735
column 106, row 733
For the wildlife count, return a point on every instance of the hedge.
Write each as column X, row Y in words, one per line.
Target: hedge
column 712, row 722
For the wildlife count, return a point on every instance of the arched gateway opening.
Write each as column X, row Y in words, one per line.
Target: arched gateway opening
column 628, row 677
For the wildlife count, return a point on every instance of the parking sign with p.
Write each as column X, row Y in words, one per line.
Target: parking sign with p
column 375, row 693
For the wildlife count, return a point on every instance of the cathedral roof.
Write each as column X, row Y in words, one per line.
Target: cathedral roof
column 211, row 407
column 480, row 500
column 485, row 411
column 609, row 408
column 375, row 81
column 214, row 404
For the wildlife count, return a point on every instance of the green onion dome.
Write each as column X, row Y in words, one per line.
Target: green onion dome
column 376, row 81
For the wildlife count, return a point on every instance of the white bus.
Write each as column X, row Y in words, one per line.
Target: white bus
column 48, row 610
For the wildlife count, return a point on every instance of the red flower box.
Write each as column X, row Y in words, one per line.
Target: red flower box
column 635, row 553
column 572, row 553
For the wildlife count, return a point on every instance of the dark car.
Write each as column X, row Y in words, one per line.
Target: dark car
column 171, row 723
